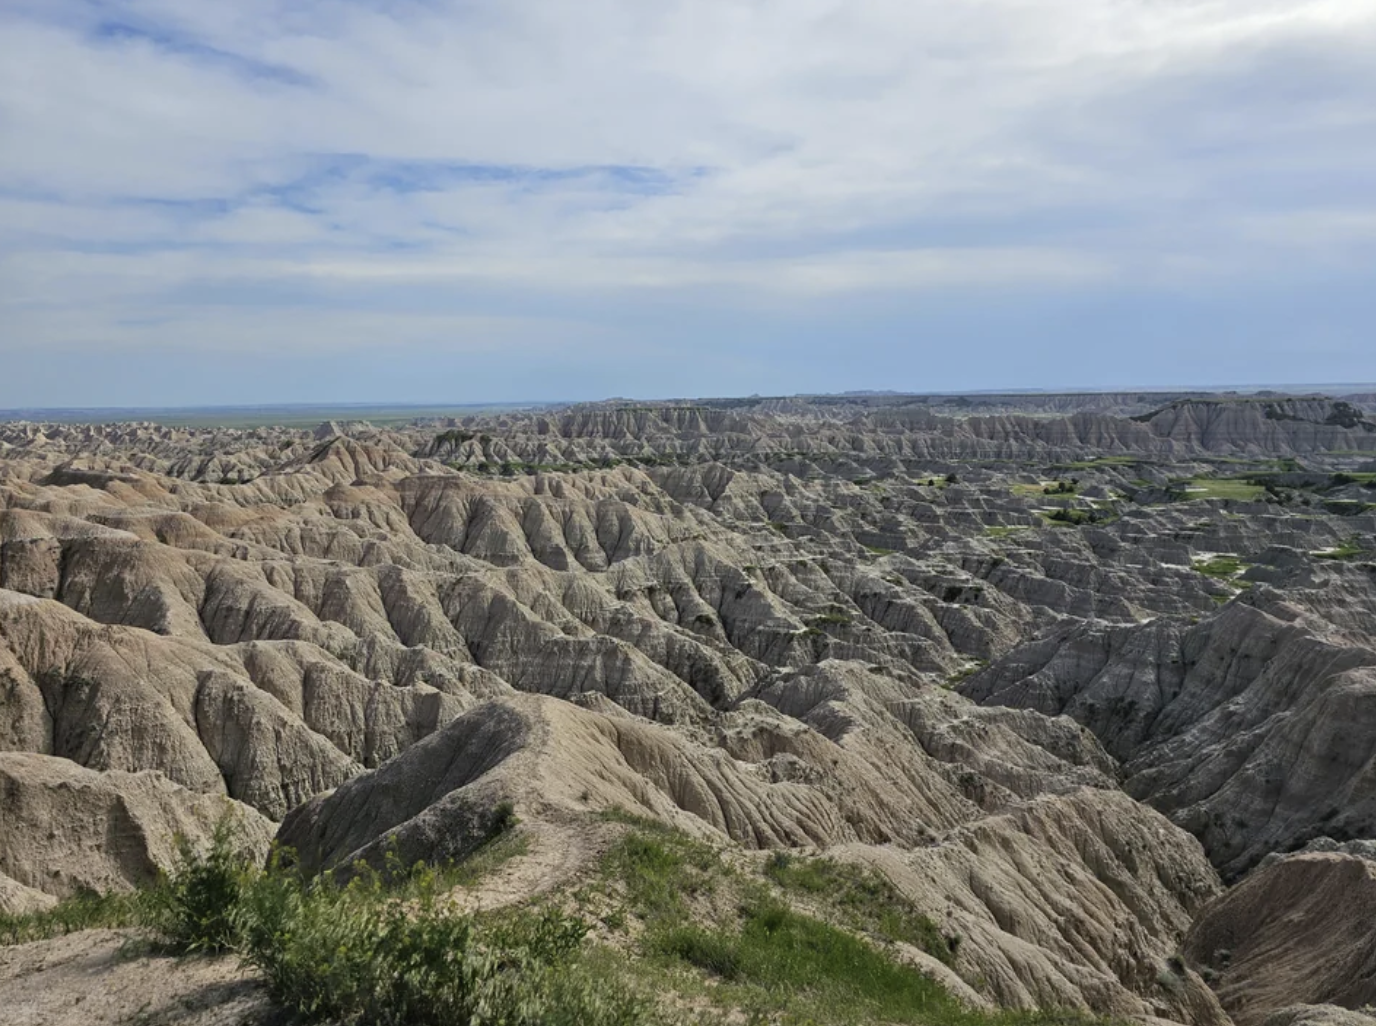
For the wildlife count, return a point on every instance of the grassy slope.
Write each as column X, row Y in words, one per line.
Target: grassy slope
column 665, row 929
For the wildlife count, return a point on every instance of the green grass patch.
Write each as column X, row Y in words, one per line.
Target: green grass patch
column 1221, row 567
column 1232, row 488
column 808, row 963
column 1100, row 461
column 728, row 941
column 865, row 900
column 84, row 911
column 1351, row 548
column 659, row 868
column 830, row 620
column 1005, row 531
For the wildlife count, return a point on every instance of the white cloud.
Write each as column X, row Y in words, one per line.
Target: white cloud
column 801, row 147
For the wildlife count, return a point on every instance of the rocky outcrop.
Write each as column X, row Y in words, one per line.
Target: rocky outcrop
column 1295, row 932
column 742, row 617
column 1255, row 729
column 1075, row 900
column 65, row 829
column 1273, row 426
column 1065, row 895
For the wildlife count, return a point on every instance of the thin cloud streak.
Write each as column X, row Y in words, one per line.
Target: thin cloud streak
column 220, row 166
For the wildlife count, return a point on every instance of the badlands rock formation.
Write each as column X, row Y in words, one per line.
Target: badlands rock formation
column 1050, row 664
column 65, row 829
column 1297, row 931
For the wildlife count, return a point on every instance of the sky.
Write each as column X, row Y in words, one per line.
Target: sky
column 277, row 201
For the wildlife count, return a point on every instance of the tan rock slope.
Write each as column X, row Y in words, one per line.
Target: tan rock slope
column 1076, row 897
column 1255, row 730
column 1298, row 931
column 64, row 829
column 766, row 622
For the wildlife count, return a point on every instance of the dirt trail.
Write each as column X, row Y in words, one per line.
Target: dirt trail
column 558, row 852
column 91, row 979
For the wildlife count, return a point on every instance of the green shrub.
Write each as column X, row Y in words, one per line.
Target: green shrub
column 193, row 908
column 366, row 953
column 504, row 820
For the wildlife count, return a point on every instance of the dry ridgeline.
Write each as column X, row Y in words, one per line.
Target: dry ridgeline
column 981, row 710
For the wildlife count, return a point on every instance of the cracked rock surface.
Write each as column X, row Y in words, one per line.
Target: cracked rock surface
column 1059, row 667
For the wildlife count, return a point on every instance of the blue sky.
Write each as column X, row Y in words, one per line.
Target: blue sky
column 420, row 200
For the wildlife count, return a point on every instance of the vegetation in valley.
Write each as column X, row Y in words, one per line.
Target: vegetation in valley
column 789, row 940
column 1222, row 567
column 1077, row 517
column 864, row 900
column 1349, row 548
column 1005, row 531
column 1235, row 489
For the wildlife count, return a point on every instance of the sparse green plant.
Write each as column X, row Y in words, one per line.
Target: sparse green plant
column 503, row 819
column 830, row 620
column 85, row 910
column 1350, row 548
column 864, row 900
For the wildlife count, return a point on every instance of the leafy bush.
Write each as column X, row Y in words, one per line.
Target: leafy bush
column 386, row 948
column 504, row 820
column 193, row 908
column 190, row 910
column 364, row 953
